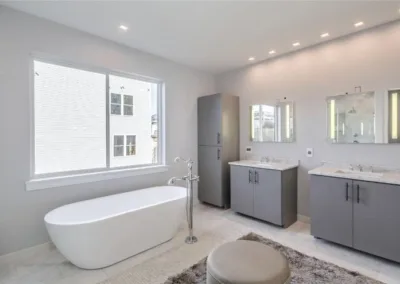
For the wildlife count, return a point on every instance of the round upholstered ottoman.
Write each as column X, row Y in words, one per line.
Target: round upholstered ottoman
column 247, row 262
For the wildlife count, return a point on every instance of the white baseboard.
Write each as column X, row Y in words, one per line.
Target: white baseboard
column 304, row 219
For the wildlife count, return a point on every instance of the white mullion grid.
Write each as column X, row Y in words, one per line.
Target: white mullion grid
column 130, row 144
column 119, row 145
column 123, row 104
column 116, row 104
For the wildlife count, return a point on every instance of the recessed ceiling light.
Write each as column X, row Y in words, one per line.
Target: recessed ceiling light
column 296, row 44
column 325, row 35
column 251, row 58
column 124, row 28
column 272, row 52
column 359, row 24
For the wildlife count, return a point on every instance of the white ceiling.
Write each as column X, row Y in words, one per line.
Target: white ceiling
column 214, row 36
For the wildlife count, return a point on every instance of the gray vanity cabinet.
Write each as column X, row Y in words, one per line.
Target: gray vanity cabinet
column 269, row 195
column 376, row 219
column 359, row 214
column 242, row 190
column 331, row 209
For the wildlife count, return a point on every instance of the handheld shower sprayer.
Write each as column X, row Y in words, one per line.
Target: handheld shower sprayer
column 190, row 178
column 189, row 161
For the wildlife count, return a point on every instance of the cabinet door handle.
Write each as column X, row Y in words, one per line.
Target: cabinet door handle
column 347, row 191
column 250, row 176
column 218, row 138
column 358, row 193
column 256, row 177
column 219, row 154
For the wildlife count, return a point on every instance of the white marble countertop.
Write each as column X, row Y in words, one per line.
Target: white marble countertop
column 269, row 165
column 390, row 177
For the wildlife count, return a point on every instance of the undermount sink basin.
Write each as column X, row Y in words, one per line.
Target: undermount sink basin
column 359, row 174
column 257, row 163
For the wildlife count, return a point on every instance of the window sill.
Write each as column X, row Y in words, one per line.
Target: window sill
column 43, row 183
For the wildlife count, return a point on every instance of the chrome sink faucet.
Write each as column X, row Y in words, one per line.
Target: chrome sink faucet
column 265, row 159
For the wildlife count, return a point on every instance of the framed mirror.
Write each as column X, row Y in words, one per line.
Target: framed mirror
column 272, row 123
column 365, row 117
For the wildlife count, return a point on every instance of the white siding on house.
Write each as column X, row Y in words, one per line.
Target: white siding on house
column 139, row 124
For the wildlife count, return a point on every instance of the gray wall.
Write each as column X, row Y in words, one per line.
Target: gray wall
column 370, row 59
column 22, row 212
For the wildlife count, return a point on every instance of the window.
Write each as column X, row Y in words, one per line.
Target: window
column 128, row 105
column 115, row 104
column 118, row 145
column 130, row 145
column 70, row 119
column 84, row 120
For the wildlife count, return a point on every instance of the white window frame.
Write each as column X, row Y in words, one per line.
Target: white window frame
column 123, row 145
column 50, row 180
column 126, row 144
column 123, row 106
column 120, row 104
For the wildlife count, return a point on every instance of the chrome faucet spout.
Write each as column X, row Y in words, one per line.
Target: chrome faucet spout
column 173, row 180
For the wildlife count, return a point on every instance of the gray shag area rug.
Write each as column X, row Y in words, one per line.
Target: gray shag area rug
column 304, row 269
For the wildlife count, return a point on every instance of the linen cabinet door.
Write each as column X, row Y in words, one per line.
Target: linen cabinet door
column 210, row 172
column 376, row 219
column 331, row 209
column 209, row 122
column 242, row 191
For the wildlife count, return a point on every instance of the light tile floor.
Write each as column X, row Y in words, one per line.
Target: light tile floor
column 44, row 264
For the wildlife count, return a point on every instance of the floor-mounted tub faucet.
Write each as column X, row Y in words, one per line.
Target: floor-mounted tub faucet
column 189, row 178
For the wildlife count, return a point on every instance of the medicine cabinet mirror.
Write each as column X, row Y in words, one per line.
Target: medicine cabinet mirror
column 272, row 123
column 365, row 117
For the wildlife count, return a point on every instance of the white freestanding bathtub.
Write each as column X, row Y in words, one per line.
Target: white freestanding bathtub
column 100, row 232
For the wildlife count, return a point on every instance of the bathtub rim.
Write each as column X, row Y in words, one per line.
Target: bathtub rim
column 93, row 221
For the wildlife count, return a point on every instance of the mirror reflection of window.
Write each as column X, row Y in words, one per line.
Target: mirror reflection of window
column 272, row 123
